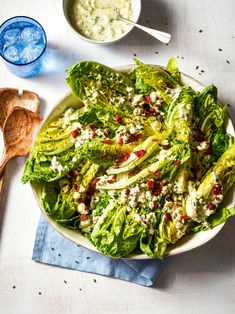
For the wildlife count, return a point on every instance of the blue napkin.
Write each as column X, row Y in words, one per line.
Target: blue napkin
column 52, row 248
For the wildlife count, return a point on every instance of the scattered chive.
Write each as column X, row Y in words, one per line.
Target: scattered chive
column 39, row 293
column 65, row 281
column 78, row 245
column 80, row 289
column 156, row 52
column 228, row 61
column 52, row 249
column 59, row 254
column 87, row 257
column 94, row 280
column 197, row 67
column 13, row 287
column 182, row 57
column 202, row 71
column 76, row 262
column 200, row 31
column 134, row 54
column 220, row 49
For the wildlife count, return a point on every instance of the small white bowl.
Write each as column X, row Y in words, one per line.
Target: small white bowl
column 136, row 7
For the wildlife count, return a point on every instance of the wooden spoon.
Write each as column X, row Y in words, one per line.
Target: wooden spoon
column 18, row 130
column 11, row 97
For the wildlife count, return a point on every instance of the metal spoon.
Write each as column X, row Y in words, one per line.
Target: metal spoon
column 18, row 131
column 162, row 36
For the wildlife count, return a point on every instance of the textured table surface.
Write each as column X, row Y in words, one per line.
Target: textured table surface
column 200, row 281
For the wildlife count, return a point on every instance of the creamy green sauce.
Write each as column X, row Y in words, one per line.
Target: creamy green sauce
column 97, row 19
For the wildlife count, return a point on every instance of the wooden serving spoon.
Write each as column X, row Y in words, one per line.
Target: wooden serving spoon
column 18, row 131
column 11, row 97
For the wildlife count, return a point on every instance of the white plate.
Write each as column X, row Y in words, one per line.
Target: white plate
column 186, row 244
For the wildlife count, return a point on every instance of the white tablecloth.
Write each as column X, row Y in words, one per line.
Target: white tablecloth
column 200, row 281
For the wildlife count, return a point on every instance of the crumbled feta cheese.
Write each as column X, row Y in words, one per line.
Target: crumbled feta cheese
column 76, row 195
column 82, row 208
column 203, row 145
column 74, row 159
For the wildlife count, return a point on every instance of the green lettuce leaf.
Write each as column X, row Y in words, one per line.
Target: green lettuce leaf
column 100, row 86
column 172, row 68
column 222, row 174
column 116, row 233
column 210, row 112
column 158, row 79
column 164, row 162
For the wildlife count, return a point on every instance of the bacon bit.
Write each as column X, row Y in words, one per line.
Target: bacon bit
column 75, row 186
column 81, row 200
column 166, row 147
column 76, row 132
column 150, row 184
column 118, row 118
column 156, row 205
column 131, row 174
column 140, row 153
column 107, row 141
column 169, row 85
column 157, row 173
column 138, row 137
column 213, row 127
column 184, row 217
column 104, row 155
column 158, row 186
column 168, row 216
column 146, row 106
column 216, row 190
column 177, row 162
column 158, row 115
column 120, row 141
column 124, row 157
column 122, row 133
column 95, row 181
column 211, row 206
column 93, row 127
column 147, row 99
column 83, row 217
column 127, row 191
column 111, row 180
column 170, row 199
column 74, row 173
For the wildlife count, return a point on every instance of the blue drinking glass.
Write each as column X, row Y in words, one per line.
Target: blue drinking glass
column 22, row 45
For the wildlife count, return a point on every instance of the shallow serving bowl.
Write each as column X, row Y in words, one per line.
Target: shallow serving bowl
column 136, row 7
column 186, row 244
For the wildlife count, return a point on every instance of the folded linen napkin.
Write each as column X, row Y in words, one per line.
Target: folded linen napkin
column 52, row 248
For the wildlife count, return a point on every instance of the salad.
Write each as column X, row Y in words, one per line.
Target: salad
column 143, row 163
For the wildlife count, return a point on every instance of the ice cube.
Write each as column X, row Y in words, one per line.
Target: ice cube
column 11, row 36
column 30, row 53
column 12, row 54
column 30, row 35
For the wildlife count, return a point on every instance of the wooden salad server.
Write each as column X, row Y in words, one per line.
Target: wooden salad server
column 18, row 131
column 12, row 97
